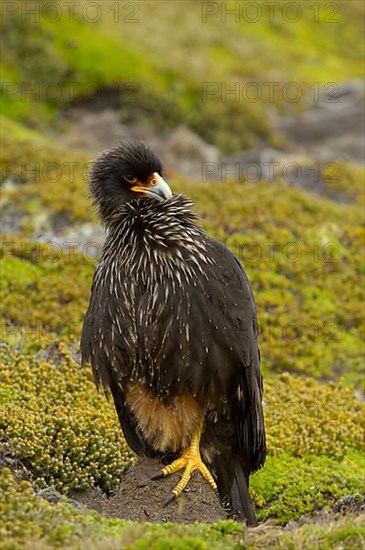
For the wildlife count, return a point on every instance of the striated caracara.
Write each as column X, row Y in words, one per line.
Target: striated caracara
column 171, row 331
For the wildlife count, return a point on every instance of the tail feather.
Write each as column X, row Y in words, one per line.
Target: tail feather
column 232, row 482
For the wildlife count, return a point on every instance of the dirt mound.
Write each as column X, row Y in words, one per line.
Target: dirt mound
column 141, row 499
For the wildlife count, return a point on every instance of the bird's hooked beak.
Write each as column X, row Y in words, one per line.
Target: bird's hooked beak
column 156, row 188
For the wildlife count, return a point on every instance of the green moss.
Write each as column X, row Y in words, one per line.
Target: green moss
column 311, row 56
column 345, row 180
column 198, row 537
column 288, row 487
column 94, row 61
column 32, row 520
column 327, row 534
column 29, row 66
column 17, row 131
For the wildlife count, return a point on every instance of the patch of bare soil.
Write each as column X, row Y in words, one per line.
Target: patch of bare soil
column 138, row 498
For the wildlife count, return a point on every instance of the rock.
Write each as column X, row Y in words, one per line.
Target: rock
column 332, row 129
column 182, row 150
column 86, row 238
column 93, row 131
column 337, row 96
column 350, row 504
column 185, row 151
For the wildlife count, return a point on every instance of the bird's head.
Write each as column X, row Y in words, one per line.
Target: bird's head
column 126, row 172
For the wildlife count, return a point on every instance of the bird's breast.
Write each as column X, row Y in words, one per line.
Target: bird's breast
column 167, row 425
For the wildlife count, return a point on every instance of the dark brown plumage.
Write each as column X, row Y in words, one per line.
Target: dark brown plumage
column 171, row 329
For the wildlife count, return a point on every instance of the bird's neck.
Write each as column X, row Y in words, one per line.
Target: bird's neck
column 157, row 238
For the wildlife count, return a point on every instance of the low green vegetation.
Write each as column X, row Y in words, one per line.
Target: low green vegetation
column 60, row 428
column 53, row 288
column 32, row 522
column 289, row 488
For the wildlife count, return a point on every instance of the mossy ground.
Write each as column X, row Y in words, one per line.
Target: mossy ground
column 32, row 522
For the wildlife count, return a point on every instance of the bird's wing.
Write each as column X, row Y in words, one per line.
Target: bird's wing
column 241, row 435
column 248, row 410
column 247, row 387
column 105, row 343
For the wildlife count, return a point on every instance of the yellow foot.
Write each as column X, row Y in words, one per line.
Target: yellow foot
column 190, row 460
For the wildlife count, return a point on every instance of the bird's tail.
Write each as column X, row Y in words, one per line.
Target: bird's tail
column 232, row 482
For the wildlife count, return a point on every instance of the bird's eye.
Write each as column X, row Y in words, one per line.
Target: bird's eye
column 130, row 178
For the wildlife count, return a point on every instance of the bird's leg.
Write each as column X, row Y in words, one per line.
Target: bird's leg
column 190, row 459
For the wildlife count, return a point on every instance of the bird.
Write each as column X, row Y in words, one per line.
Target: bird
column 171, row 332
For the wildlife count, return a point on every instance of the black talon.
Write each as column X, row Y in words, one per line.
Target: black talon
column 160, row 475
column 169, row 500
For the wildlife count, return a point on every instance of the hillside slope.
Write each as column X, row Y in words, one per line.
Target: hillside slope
column 162, row 65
